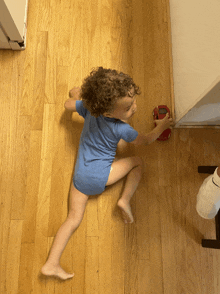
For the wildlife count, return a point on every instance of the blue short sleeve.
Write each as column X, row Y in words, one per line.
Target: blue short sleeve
column 127, row 133
column 80, row 108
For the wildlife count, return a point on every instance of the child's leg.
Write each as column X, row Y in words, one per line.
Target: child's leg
column 131, row 184
column 77, row 207
column 133, row 168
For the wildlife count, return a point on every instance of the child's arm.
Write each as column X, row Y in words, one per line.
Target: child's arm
column 70, row 104
column 74, row 95
column 146, row 139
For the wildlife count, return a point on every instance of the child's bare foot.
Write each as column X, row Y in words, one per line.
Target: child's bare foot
column 56, row 271
column 126, row 211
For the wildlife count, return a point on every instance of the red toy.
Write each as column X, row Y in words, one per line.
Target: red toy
column 159, row 113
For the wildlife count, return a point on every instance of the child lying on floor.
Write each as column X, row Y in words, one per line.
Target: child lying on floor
column 108, row 101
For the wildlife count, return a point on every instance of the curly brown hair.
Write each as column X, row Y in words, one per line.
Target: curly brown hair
column 103, row 87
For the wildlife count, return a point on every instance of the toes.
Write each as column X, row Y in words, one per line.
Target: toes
column 65, row 276
column 127, row 216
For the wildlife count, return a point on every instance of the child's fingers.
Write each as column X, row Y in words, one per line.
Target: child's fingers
column 75, row 91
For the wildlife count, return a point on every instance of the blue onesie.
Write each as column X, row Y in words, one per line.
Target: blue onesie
column 97, row 149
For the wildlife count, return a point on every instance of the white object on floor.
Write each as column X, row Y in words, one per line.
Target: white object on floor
column 208, row 198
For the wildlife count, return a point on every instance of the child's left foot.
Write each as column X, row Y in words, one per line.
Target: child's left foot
column 55, row 271
column 126, row 211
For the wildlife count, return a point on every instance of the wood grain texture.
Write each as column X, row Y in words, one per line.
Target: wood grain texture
column 161, row 252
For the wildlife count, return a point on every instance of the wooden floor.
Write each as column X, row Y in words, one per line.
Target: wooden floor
column 161, row 252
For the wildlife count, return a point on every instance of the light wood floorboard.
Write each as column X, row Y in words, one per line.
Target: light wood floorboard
column 161, row 252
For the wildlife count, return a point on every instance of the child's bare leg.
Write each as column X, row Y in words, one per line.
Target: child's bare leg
column 132, row 181
column 77, row 207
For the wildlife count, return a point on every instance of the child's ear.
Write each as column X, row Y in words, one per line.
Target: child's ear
column 107, row 114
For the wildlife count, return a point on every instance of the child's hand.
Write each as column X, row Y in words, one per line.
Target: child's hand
column 166, row 122
column 75, row 93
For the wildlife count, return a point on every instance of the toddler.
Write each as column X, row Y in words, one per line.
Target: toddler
column 108, row 101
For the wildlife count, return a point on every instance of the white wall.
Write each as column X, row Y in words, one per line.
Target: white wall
column 17, row 10
column 195, row 34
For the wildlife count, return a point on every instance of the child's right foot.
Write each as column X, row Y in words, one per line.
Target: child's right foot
column 126, row 211
column 56, row 271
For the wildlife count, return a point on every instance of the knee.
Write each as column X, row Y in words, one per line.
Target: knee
column 74, row 220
